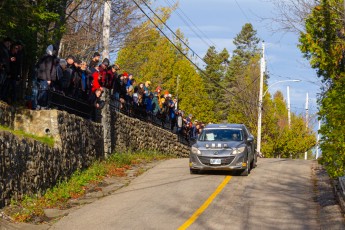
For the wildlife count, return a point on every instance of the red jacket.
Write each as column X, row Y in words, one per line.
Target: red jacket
column 95, row 83
column 103, row 74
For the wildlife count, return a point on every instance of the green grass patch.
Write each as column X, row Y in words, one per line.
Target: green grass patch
column 31, row 207
column 44, row 139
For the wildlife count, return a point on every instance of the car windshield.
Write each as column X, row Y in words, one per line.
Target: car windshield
column 221, row 135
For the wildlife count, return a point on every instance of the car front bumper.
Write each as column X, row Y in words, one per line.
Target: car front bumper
column 228, row 163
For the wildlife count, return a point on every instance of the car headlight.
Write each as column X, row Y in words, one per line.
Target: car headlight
column 196, row 151
column 238, row 150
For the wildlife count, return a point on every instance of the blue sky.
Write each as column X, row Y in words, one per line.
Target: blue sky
column 221, row 20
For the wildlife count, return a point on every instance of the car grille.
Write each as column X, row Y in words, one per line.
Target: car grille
column 225, row 160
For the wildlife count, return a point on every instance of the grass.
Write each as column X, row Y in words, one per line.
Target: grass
column 44, row 139
column 31, row 207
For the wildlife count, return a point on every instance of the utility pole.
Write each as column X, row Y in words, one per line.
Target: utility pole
column 262, row 72
column 106, row 94
column 288, row 105
column 177, row 85
column 106, row 29
column 306, row 119
column 318, row 139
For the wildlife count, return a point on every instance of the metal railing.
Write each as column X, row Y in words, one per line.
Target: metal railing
column 71, row 105
column 58, row 100
column 160, row 120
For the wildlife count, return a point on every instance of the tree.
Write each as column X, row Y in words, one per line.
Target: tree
column 215, row 71
column 323, row 43
column 290, row 15
column 241, row 81
column 151, row 56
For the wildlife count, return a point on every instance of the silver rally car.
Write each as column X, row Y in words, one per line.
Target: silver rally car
column 223, row 147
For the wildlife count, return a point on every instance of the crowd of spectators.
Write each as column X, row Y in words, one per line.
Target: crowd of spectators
column 82, row 81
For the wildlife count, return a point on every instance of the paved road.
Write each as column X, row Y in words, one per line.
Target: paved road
column 278, row 194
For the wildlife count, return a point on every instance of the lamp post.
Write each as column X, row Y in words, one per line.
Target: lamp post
column 258, row 143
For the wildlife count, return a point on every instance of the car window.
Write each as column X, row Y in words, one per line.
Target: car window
column 221, row 135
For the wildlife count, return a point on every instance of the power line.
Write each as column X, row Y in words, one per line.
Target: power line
column 201, row 71
column 245, row 15
column 187, row 23
column 173, row 32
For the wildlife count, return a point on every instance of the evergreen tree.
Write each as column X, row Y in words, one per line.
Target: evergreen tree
column 216, row 67
column 242, row 77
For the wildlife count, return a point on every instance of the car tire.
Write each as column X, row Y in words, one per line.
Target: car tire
column 254, row 161
column 247, row 170
column 194, row 171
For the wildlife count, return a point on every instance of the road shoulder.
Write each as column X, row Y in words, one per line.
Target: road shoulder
column 330, row 213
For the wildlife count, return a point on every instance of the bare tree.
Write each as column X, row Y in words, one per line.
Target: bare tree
column 84, row 26
column 290, row 15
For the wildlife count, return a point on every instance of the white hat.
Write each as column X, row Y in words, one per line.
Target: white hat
column 169, row 95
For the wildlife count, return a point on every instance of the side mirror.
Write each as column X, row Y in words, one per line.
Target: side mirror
column 250, row 139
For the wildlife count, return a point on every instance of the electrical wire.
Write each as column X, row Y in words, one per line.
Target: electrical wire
column 183, row 16
column 201, row 70
column 173, row 32
column 245, row 15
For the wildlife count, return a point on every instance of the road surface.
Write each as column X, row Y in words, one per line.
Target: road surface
column 278, row 194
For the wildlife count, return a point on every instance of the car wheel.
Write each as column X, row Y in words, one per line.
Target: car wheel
column 194, row 171
column 254, row 161
column 247, row 170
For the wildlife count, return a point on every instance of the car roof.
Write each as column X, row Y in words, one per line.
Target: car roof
column 225, row 125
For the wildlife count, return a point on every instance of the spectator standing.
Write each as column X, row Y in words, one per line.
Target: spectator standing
column 147, row 90
column 103, row 69
column 70, row 61
column 149, row 104
column 97, row 104
column 84, row 86
column 94, row 62
column 155, row 104
column 46, row 75
column 4, row 64
column 179, row 122
column 9, row 90
column 141, row 94
column 75, row 83
column 172, row 113
column 65, row 75
column 95, row 82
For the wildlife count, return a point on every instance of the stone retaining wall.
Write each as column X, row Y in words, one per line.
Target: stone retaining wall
column 132, row 134
column 30, row 167
column 7, row 114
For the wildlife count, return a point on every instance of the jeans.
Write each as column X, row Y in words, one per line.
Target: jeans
column 42, row 97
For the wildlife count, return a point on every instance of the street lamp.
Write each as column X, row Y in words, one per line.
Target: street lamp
column 277, row 83
column 258, row 144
